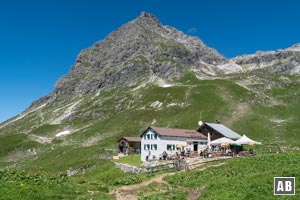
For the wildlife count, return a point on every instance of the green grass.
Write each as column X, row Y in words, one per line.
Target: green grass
column 107, row 176
column 16, row 142
column 47, row 130
column 242, row 178
column 134, row 160
column 27, row 185
column 63, row 158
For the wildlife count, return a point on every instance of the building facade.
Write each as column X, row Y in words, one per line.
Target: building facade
column 155, row 140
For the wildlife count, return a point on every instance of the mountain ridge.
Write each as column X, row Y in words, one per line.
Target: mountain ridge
column 138, row 54
column 145, row 48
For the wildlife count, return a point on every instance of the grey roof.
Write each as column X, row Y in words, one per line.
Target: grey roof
column 227, row 132
column 130, row 139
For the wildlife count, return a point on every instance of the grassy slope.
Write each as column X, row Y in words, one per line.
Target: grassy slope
column 242, row 178
column 128, row 112
column 16, row 184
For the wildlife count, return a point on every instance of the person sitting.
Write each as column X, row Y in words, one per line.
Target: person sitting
column 228, row 152
column 165, row 155
column 177, row 155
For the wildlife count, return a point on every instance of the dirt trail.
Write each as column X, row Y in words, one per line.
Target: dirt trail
column 129, row 192
column 196, row 193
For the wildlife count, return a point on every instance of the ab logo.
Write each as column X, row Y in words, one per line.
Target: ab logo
column 284, row 185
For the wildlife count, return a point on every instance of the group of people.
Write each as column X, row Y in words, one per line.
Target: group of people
column 180, row 154
column 208, row 152
column 230, row 150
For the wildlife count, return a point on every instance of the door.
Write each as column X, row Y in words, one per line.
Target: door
column 195, row 144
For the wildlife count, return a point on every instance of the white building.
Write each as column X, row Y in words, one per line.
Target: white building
column 154, row 141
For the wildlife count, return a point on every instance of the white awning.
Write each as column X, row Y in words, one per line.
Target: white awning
column 245, row 140
column 222, row 140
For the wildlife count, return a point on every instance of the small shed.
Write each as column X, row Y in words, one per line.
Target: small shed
column 129, row 145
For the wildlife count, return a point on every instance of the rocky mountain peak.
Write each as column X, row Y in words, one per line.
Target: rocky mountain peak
column 136, row 52
column 145, row 20
column 148, row 16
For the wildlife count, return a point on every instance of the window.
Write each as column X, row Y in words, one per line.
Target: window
column 148, row 136
column 155, row 136
column 151, row 136
column 146, row 147
column 171, row 147
column 153, row 146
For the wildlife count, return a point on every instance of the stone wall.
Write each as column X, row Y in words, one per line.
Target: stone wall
column 130, row 168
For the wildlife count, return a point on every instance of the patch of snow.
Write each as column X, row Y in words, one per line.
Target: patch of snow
column 63, row 133
column 162, row 83
column 166, row 85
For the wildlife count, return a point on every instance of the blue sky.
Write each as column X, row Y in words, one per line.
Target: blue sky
column 39, row 40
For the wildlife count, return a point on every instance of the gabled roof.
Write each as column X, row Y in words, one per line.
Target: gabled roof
column 176, row 132
column 224, row 130
column 130, row 139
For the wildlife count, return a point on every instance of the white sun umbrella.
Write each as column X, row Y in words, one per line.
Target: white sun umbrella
column 208, row 141
column 245, row 140
column 222, row 140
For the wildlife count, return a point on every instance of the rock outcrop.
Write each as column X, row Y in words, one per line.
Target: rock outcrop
column 285, row 61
